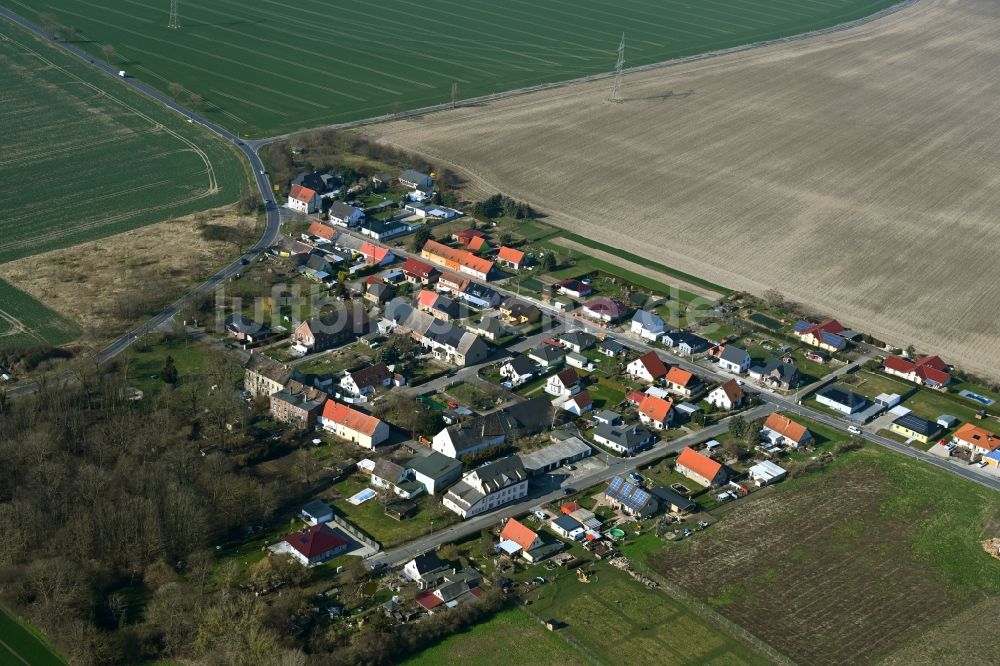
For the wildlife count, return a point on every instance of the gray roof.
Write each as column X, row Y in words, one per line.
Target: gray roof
column 268, row 367
column 918, row 425
column 627, row 437
column 317, row 508
column 500, row 473
column 581, row 338
column 566, row 523
column 736, row 355
column 522, row 365
column 668, row 496
column 413, row 176
column 607, row 415
column 612, row 345
column 428, row 562
column 844, row 397
column 648, row 320
column 307, row 400
column 491, row 325
column 548, row 353
column 435, row 465
column 571, row 447
column 343, row 211
column 388, row 470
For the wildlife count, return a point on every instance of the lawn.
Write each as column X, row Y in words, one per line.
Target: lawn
column 859, row 543
column 619, row 621
column 22, row 644
column 192, row 360
column 493, row 642
column 244, row 61
column 370, row 517
column 103, row 159
column 24, row 322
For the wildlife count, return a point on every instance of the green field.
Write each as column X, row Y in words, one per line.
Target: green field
column 277, row 66
column 84, row 157
column 20, row 644
column 24, row 322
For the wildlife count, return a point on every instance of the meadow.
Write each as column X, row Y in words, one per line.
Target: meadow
column 850, row 564
column 277, row 66
column 85, row 158
column 20, row 643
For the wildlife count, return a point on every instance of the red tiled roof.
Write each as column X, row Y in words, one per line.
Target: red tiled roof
column 417, row 268
column 316, row 540
column 679, row 376
column 320, row 230
column 429, row 600
column 461, row 257
column 732, row 391
column 519, row 534
column 464, row 237
column 786, row 427
column 300, row 193
column 655, row 408
column 477, row 243
column 925, row 367
column 636, row 397
column 582, row 399
column 569, row 507
column 654, row 366
column 973, row 435
column 698, row 463
column 427, row 298
column 374, row 253
column 568, row 377
column 510, row 254
column 350, row 418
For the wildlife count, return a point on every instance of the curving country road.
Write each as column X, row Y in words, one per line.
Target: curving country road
column 263, row 182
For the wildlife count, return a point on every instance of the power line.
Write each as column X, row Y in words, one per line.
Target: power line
column 174, row 22
column 616, row 91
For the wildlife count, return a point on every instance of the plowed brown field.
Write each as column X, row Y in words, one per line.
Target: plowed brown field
column 857, row 172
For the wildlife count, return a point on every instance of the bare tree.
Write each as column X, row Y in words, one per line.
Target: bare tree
column 108, row 51
column 175, row 89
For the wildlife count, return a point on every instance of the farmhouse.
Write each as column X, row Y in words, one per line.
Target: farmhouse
column 782, row 431
column 912, row 426
column 354, row 426
column 419, row 272
column 656, row 412
column 925, row 370
column 734, row 359
column 648, row 325
column 683, row 383
column 344, row 215
column 462, row 261
column 511, row 258
column 488, row 487
column 647, row 367
column 302, row 200
column 630, row 498
column 624, row 439
column 339, row 325
column 726, row 396
column 700, row 468
column 841, row 400
column 828, row 335
column 976, row 439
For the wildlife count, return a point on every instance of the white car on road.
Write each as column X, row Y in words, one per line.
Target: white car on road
column 854, row 430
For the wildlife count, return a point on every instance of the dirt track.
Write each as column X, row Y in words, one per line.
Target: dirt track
column 856, row 172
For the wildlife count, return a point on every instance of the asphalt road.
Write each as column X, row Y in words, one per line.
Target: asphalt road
column 261, row 179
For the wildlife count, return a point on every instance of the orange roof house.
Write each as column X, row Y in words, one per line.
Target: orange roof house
column 648, row 367
column 477, row 243
column 656, row 411
column 700, row 468
column 783, row 429
column 520, row 534
column 510, row 257
column 351, row 424
column 454, row 259
column 680, row 377
column 375, row 254
column 978, row 439
column 321, row 230
column 301, row 194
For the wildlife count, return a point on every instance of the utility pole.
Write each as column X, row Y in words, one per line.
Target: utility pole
column 616, row 91
column 174, row 22
column 454, row 94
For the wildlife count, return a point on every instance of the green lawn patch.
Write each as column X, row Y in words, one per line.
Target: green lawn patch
column 20, row 643
column 24, row 322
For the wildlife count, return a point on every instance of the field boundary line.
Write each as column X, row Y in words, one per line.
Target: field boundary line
column 482, row 99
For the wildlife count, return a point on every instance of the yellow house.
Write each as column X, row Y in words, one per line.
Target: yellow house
column 916, row 428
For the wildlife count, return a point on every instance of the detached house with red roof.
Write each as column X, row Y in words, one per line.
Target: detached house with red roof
column 976, row 439
column 700, row 468
column 419, row 272
column 782, row 431
column 727, row 396
column 454, row 259
column 516, row 537
column 314, row 545
column 683, row 383
column 656, row 412
column 647, row 367
column 563, row 383
column 604, row 310
column 353, row 425
column 827, row 335
column 377, row 255
column 578, row 404
column 302, row 200
column 924, row 370
column 511, row 258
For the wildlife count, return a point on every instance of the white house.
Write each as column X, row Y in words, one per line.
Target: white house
column 302, row 200
column 648, row 325
column 425, row 570
column 568, row 528
column 488, row 487
column 316, row 512
column 352, row 425
column 734, row 359
column 766, row 472
column 578, row 404
column 656, row 412
column 518, row 370
column 563, row 383
column 345, row 215
column 726, row 396
column 647, row 367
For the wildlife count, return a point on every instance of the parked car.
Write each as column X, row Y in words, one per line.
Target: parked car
column 854, row 430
